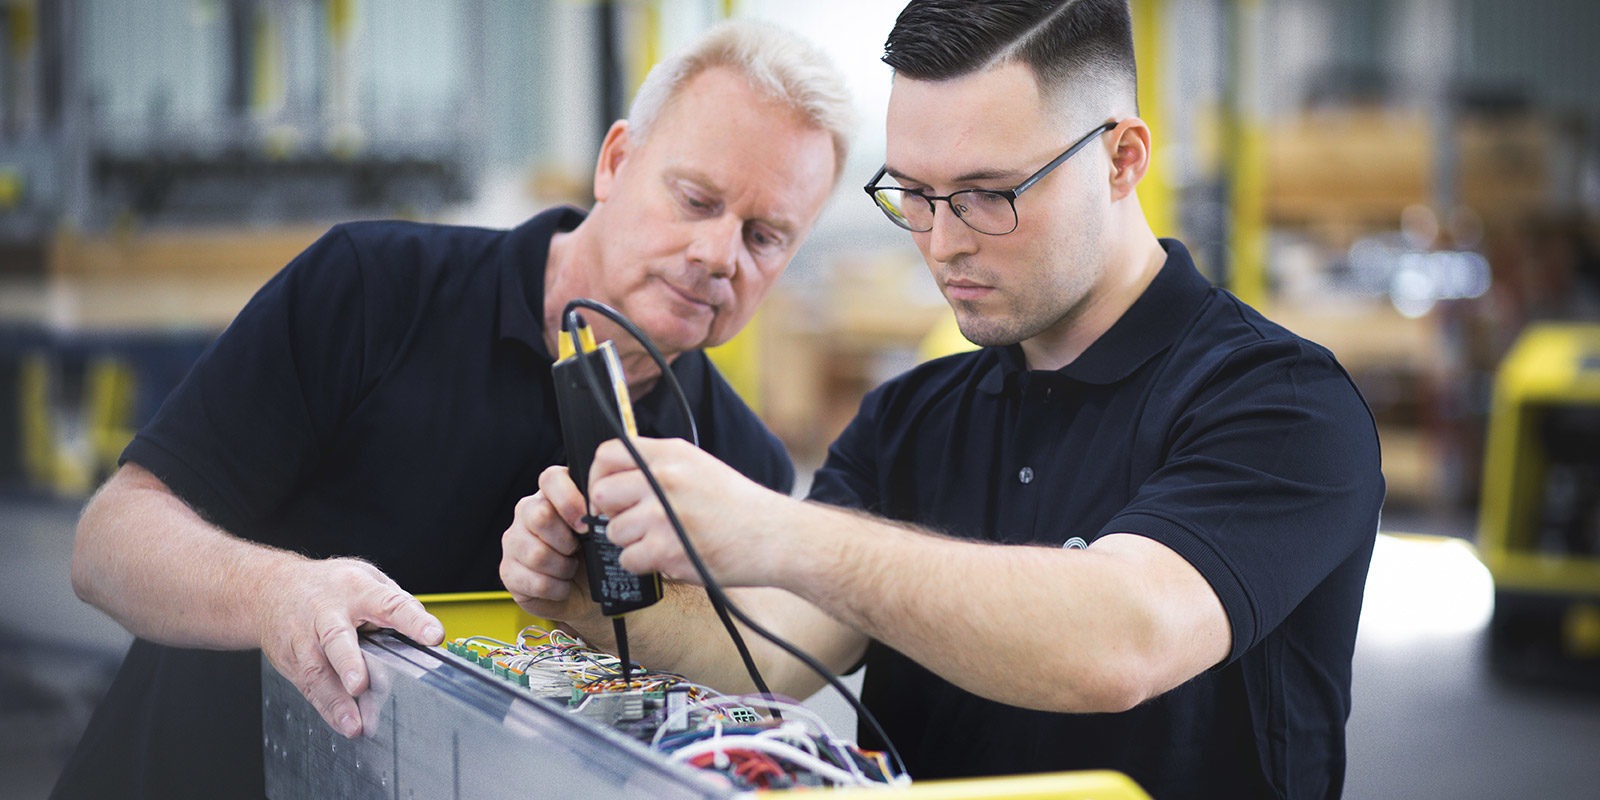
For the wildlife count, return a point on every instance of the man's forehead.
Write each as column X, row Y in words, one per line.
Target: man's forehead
column 953, row 152
column 988, row 124
column 756, row 151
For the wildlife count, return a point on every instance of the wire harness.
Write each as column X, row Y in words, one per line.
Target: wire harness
column 753, row 742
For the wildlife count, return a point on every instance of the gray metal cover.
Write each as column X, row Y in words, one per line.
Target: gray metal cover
column 440, row 727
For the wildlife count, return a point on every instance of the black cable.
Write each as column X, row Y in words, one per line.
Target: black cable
column 619, row 628
column 650, row 347
column 719, row 598
column 571, row 320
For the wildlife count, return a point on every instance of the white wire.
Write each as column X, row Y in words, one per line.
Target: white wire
column 826, row 735
column 655, row 741
column 791, row 734
column 791, row 711
column 714, row 702
column 849, row 758
column 801, row 748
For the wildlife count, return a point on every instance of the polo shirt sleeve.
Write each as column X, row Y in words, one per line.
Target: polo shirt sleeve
column 1271, row 481
column 253, row 414
column 849, row 475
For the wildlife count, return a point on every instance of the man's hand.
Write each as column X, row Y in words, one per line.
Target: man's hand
column 146, row 558
column 723, row 511
column 540, row 563
column 309, row 629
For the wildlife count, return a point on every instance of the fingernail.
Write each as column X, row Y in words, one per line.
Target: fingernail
column 349, row 726
column 433, row 632
column 351, row 679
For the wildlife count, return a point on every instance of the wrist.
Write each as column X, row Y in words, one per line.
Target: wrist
column 801, row 547
column 842, row 554
column 260, row 580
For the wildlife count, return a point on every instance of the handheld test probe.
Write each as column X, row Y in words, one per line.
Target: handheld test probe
column 583, row 428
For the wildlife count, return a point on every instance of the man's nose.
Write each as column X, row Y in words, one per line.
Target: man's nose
column 717, row 244
column 950, row 237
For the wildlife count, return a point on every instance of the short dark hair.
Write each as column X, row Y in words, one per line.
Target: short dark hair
column 1061, row 41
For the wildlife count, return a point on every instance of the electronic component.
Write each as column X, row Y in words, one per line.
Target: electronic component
column 583, row 429
column 752, row 742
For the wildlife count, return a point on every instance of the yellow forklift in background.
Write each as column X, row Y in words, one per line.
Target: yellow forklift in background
column 1539, row 522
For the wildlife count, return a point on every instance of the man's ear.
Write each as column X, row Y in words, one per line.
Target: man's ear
column 614, row 150
column 1130, row 156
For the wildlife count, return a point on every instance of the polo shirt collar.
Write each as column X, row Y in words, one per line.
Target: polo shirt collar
column 1148, row 327
column 522, row 267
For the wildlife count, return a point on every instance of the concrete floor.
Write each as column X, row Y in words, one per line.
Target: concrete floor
column 1429, row 721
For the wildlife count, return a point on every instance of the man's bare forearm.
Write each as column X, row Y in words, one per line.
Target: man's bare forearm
column 149, row 561
column 1102, row 629
column 683, row 634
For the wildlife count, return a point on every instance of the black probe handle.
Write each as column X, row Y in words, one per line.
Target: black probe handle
column 583, row 428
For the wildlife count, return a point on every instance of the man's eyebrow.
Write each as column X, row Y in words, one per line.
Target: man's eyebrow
column 782, row 225
column 965, row 177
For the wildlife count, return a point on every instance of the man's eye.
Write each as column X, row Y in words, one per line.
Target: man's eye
column 761, row 239
column 695, row 201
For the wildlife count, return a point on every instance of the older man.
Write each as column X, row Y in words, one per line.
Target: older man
column 366, row 425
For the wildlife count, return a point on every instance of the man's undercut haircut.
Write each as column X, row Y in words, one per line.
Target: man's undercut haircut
column 778, row 64
column 1072, row 46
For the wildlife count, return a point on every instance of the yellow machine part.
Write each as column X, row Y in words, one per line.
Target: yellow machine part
column 472, row 613
column 1086, row 785
column 1551, row 365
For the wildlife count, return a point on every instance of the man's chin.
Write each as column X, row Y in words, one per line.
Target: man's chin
column 680, row 336
column 987, row 332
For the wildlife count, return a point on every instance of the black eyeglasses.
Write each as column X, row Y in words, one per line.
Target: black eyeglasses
column 989, row 211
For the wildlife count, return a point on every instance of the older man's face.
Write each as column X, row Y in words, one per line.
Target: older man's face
column 703, row 216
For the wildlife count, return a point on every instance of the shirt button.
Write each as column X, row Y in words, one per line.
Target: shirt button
column 1026, row 475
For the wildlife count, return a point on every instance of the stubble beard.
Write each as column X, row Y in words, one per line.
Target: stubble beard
column 1020, row 323
column 985, row 331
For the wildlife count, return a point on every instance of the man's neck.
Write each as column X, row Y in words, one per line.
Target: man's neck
column 564, row 280
column 1127, row 276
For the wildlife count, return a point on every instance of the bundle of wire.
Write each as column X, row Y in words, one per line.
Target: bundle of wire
column 788, row 746
column 556, row 662
column 797, row 750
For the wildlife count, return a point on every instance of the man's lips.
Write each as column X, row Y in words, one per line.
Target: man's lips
column 966, row 290
column 690, row 297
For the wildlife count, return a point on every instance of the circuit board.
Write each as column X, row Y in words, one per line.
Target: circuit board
column 751, row 742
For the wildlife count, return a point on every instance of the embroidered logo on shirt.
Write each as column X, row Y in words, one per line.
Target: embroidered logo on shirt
column 1075, row 543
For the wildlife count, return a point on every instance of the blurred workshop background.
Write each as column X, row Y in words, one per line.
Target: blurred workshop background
column 1413, row 183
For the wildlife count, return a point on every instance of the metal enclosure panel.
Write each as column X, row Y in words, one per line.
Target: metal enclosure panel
column 439, row 727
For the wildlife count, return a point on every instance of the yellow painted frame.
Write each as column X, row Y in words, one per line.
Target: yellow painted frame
column 1550, row 365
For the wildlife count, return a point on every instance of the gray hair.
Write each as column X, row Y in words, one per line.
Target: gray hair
column 777, row 63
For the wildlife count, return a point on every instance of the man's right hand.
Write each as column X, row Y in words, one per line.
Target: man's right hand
column 540, row 563
column 146, row 558
column 308, row 629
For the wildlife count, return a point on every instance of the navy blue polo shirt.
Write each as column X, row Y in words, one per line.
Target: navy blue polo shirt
column 1193, row 421
column 387, row 395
